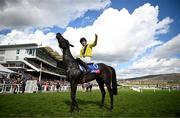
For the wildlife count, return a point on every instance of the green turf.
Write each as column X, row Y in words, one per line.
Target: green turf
column 126, row 103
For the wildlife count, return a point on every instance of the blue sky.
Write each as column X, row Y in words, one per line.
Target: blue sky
column 167, row 8
column 133, row 57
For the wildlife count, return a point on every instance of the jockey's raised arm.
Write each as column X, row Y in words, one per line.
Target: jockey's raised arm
column 95, row 41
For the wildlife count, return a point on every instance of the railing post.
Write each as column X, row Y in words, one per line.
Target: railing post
column 3, row 88
column 40, row 72
column 11, row 89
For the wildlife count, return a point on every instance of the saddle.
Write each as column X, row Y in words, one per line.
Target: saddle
column 94, row 68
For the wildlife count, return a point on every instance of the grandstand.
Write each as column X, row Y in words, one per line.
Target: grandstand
column 32, row 61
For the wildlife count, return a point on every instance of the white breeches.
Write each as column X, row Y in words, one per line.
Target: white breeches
column 86, row 59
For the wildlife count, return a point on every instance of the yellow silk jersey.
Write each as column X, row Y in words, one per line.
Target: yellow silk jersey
column 88, row 51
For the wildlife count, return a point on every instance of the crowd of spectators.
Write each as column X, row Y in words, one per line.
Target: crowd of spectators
column 44, row 85
column 52, row 85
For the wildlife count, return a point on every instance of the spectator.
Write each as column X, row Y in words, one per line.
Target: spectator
column 15, row 86
column 57, row 86
column 23, row 85
column 39, row 86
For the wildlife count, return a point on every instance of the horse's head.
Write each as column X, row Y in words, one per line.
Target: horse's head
column 63, row 43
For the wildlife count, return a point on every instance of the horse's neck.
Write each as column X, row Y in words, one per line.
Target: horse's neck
column 68, row 58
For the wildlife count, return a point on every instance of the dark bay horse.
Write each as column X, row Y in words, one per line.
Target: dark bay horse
column 107, row 75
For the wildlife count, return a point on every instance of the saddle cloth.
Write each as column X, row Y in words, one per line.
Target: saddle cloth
column 94, row 68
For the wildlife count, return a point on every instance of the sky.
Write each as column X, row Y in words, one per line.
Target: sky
column 136, row 37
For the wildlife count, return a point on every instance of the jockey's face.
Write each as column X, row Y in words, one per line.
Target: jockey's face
column 84, row 43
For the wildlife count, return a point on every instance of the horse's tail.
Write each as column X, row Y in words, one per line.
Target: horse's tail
column 114, row 81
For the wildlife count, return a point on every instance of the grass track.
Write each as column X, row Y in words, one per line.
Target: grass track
column 126, row 103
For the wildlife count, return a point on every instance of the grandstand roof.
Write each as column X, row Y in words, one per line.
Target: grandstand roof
column 18, row 45
column 53, row 53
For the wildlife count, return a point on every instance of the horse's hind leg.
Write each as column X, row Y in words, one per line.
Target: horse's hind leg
column 108, row 85
column 103, row 92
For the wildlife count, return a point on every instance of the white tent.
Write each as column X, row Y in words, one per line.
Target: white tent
column 4, row 70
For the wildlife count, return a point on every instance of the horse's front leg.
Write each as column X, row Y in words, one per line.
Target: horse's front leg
column 73, row 96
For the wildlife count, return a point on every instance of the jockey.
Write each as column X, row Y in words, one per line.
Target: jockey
column 86, row 52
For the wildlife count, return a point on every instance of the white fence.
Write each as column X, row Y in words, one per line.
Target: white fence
column 8, row 88
column 31, row 87
column 140, row 89
column 137, row 89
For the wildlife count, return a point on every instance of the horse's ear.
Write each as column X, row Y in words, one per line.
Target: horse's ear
column 71, row 45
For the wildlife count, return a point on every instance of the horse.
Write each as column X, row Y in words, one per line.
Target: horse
column 75, row 76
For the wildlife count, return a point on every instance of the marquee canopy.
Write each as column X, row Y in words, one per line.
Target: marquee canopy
column 5, row 70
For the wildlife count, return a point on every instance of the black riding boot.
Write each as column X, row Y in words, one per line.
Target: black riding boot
column 84, row 65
